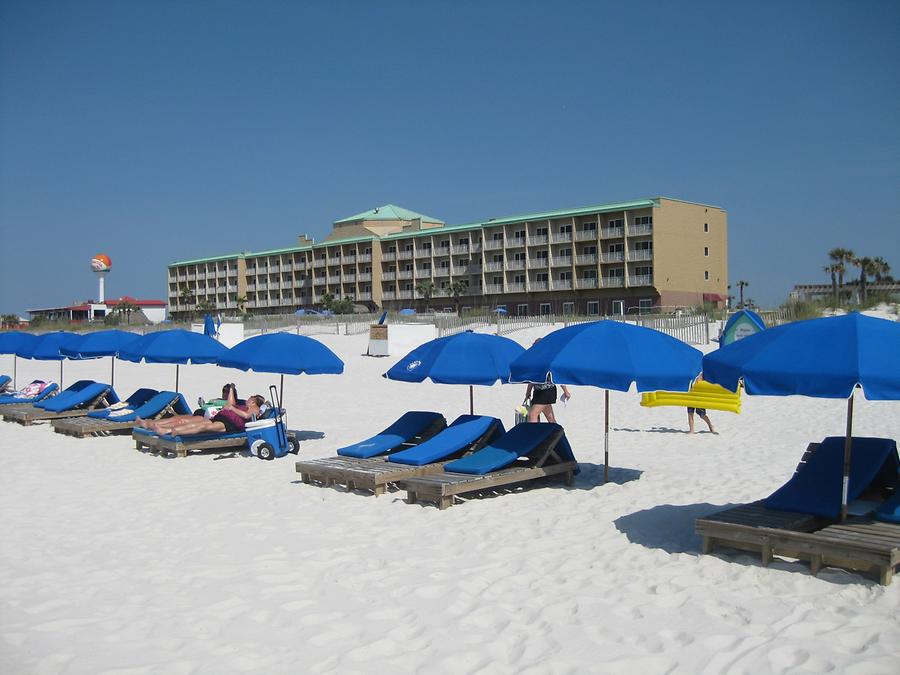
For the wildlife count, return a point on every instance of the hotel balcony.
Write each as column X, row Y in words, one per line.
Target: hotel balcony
column 251, row 288
column 388, row 257
column 264, row 286
column 363, row 296
column 221, row 289
column 287, row 302
column 476, row 247
column 474, row 269
column 493, row 288
column 192, row 277
column 515, row 287
column 405, row 295
column 349, row 278
column 349, row 259
column 334, row 279
column 640, row 255
column 613, row 282
column 493, row 266
column 463, row 248
column 423, row 252
column 561, row 237
column 515, row 264
column 539, row 285
column 388, row 295
column 318, row 262
column 515, row 242
column 319, row 281
column 587, row 282
column 388, row 276
column 562, row 284
column 537, row 263
column 441, row 272
column 441, row 251
column 405, row 274
column 611, row 232
column 274, row 269
column 404, row 255
column 561, row 261
column 232, row 289
column 492, row 244
column 636, row 230
column 460, row 270
column 586, row 259
column 538, row 240
column 616, row 256
column 641, row 280
column 364, row 258
column 365, row 276
column 302, row 283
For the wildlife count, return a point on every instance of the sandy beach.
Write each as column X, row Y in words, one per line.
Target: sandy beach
column 113, row 561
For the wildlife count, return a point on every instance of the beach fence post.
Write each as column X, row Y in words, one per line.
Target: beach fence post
column 848, row 440
column 606, row 437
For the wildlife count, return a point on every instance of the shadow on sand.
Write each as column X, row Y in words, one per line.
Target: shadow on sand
column 655, row 430
column 308, row 435
column 667, row 527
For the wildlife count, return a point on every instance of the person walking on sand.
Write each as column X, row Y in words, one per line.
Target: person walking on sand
column 543, row 399
column 703, row 416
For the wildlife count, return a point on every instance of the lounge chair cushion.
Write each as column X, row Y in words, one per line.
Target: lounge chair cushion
column 4, row 380
column 889, row 511
column 465, row 430
column 137, row 399
column 75, row 399
column 188, row 439
column 149, row 409
column 44, row 393
column 72, row 389
column 816, row 486
column 519, row 441
column 404, row 430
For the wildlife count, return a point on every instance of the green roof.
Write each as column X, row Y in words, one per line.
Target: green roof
column 388, row 212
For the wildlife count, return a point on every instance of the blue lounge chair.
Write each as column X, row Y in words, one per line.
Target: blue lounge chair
column 815, row 488
column 74, row 402
column 101, row 423
column 526, row 452
column 412, row 427
column 466, row 434
column 73, row 389
column 180, row 446
column 4, row 382
column 136, row 400
column 49, row 390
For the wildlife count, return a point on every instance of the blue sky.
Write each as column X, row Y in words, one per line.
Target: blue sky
column 164, row 130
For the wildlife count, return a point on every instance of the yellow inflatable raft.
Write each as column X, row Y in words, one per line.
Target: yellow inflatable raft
column 702, row 395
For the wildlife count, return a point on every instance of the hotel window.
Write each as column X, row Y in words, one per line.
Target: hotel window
column 706, row 275
column 643, row 246
column 568, row 308
column 463, row 242
column 545, row 308
column 616, row 248
column 706, row 227
column 408, row 287
column 499, row 258
column 589, row 227
column 520, row 234
column 565, row 276
column 617, row 272
column 617, row 222
column 565, row 253
column 541, row 277
column 589, row 250
column 706, row 251
column 541, row 231
column 643, row 271
column 427, row 246
column 445, row 243
column 643, row 220
column 498, row 236
column 522, row 310
column 498, row 281
column 519, row 279
column 589, row 274
column 565, row 229
column 519, row 256
column 645, row 303
column 593, row 307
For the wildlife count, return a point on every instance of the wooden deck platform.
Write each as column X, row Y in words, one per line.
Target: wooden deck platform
column 859, row 544
column 83, row 427
column 374, row 473
column 179, row 447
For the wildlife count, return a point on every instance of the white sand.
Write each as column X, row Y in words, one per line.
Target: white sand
column 112, row 561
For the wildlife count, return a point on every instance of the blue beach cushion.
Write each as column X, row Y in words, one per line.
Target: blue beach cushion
column 816, row 487
column 404, row 430
column 77, row 398
column 519, row 441
column 465, row 430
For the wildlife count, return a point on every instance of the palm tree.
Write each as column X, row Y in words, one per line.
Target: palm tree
column 832, row 269
column 125, row 308
column 867, row 266
column 741, row 286
column 206, row 306
column 881, row 269
column 186, row 296
column 841, row 257
column 9, row 321
column 456, row 289
column 241, row 300
column 426, row 290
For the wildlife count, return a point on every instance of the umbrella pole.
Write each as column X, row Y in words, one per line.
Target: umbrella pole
column 112, row 374
column 176, row 378
column 606, row 438
column 471, row 400
column 847, row 443
column 15, row 359
column 281, row 392
column 60, row 374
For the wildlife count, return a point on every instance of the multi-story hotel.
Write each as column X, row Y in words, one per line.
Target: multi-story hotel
column 604, row 259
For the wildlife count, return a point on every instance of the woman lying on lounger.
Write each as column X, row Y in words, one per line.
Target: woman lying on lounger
column 229, row 420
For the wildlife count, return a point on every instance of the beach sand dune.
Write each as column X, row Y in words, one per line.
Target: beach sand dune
column 113, row 561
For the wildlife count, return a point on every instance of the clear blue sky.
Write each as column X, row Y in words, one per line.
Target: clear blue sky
column 163, row 130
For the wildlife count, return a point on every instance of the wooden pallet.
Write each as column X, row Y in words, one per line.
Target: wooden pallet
column 373, row 473
column 83, row 427
column 859, row 544
column 440, row 488
column 179, row 447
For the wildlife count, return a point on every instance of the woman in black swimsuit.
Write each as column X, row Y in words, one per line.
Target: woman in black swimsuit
column 543, row 398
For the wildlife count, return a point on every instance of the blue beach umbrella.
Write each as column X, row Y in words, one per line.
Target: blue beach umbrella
column 284, row 354
column 46, row 348
column 97, row 344
column 464, row 358
column 172, row 346
column 610, row 355
column 821, row 358
column 11, row 342
column 407, row 311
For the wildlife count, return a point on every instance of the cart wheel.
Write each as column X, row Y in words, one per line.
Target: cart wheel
column 293, row 446
column 265, row 451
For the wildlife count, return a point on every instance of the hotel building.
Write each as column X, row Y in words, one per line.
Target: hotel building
column 603, row 259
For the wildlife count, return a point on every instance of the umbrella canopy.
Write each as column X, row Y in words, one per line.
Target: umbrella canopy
column 100, row 343
column 46, row 348
column 11, row 342
column 406, row 311
column 822, row 358
column 282, row 353
column 172, row 346
column 464, row 358
column 610, row 355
